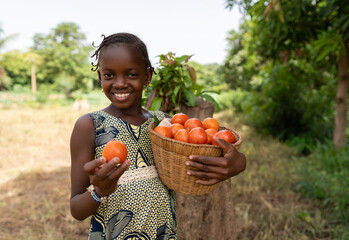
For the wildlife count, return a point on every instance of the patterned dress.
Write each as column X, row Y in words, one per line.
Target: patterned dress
column 141, row 209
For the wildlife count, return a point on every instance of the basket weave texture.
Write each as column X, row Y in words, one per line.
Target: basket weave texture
column 170, row 156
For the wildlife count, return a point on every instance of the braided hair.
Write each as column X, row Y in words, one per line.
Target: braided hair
column 126, row 38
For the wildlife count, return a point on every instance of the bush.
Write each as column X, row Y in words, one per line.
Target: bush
column 325, row 176
column 236, row 99
column 290, row 102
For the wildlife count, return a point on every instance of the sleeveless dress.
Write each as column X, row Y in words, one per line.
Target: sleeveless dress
column 142, row 208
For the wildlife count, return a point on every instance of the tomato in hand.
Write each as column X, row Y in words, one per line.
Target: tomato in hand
column 113, row 149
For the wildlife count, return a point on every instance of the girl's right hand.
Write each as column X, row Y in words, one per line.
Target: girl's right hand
column 105, row 175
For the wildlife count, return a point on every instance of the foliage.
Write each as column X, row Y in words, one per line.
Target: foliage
column 174, row 84
column 236, row 99
column 282, row 104
column 240, row 64
column 326, row 177
column 65, row 58
column 16, row 68
column 209, row 76
column 5, row 81
column 286, row 54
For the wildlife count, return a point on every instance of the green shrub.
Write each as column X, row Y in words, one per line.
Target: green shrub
column 325, row 176
column 289, row 102
column 18, row 88
column 236, row 99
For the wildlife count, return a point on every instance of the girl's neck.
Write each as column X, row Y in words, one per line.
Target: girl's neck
column 134, row 116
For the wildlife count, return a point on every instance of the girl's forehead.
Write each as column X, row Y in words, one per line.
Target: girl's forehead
column 123, row 51
column 121, row 48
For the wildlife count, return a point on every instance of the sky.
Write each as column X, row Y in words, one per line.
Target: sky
column 198, row 27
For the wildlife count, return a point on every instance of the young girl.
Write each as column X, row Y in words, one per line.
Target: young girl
column 128, row 200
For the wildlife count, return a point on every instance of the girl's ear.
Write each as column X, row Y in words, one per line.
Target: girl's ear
column 99, row 77
column 149, row 75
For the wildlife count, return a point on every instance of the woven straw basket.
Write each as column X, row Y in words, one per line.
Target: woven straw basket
column 170, row 156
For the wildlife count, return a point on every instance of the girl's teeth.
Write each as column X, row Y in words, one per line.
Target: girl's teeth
column 121, row 94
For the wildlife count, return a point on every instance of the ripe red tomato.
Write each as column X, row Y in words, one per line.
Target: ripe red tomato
column 192, row 123
column 180, row 118
column 228, row 136
column 163, row 130
column 113, row 149
column 198, row 136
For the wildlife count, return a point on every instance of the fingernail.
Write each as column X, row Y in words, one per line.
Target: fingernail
column 188, row 172
column 187, row 163
column 114, row 160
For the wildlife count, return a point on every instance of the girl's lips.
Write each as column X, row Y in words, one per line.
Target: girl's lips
column 121, row 96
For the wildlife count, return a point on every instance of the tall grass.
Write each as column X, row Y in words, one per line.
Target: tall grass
column 325, row 176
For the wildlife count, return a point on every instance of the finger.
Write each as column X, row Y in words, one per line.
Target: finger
column 107, row 168
column 202, row 162
column 208, row 182
column 202, row 159
column 116, row 174
column 223, row 144
column 90, row 167
column 205, row 175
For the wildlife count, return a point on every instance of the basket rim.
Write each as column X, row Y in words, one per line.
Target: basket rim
column 237, row 143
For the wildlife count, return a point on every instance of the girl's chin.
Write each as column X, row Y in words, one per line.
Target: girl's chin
column 123, row 105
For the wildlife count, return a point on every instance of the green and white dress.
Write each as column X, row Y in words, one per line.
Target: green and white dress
column 142, row 207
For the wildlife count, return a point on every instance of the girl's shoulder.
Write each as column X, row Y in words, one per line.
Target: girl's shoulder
column 88, row 121
column 84, row 120
column 84, row 127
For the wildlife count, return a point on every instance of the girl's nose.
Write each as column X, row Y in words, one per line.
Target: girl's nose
column 119, row 82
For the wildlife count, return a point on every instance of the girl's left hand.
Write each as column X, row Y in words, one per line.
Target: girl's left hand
column 217, row 169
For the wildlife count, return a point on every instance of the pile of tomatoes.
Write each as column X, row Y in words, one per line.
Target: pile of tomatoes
column 191, row 130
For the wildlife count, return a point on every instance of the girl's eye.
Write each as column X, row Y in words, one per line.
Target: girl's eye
column 132, row 75
column 108, row 76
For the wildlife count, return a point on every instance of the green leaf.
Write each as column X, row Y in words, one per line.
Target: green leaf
column 210, row 99
column 190, row 97
column 197, row 89
column 182, row 58
column 328, row 43
column 156, row 121
column 175, row 91
column 211, row 91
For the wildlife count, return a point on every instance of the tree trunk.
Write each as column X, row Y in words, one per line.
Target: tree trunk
column 206, row 217
column 33, row 79
column 339, row 136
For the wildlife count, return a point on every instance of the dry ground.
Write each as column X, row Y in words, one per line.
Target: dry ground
column 35, row 174
column 35, row 181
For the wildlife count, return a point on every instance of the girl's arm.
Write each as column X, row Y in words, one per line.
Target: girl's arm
column 85, row 170
column 81, row 151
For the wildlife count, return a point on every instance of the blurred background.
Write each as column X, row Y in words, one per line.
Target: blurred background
column 276, row 71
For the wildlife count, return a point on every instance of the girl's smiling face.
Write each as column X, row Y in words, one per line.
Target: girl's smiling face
column 122, row 72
